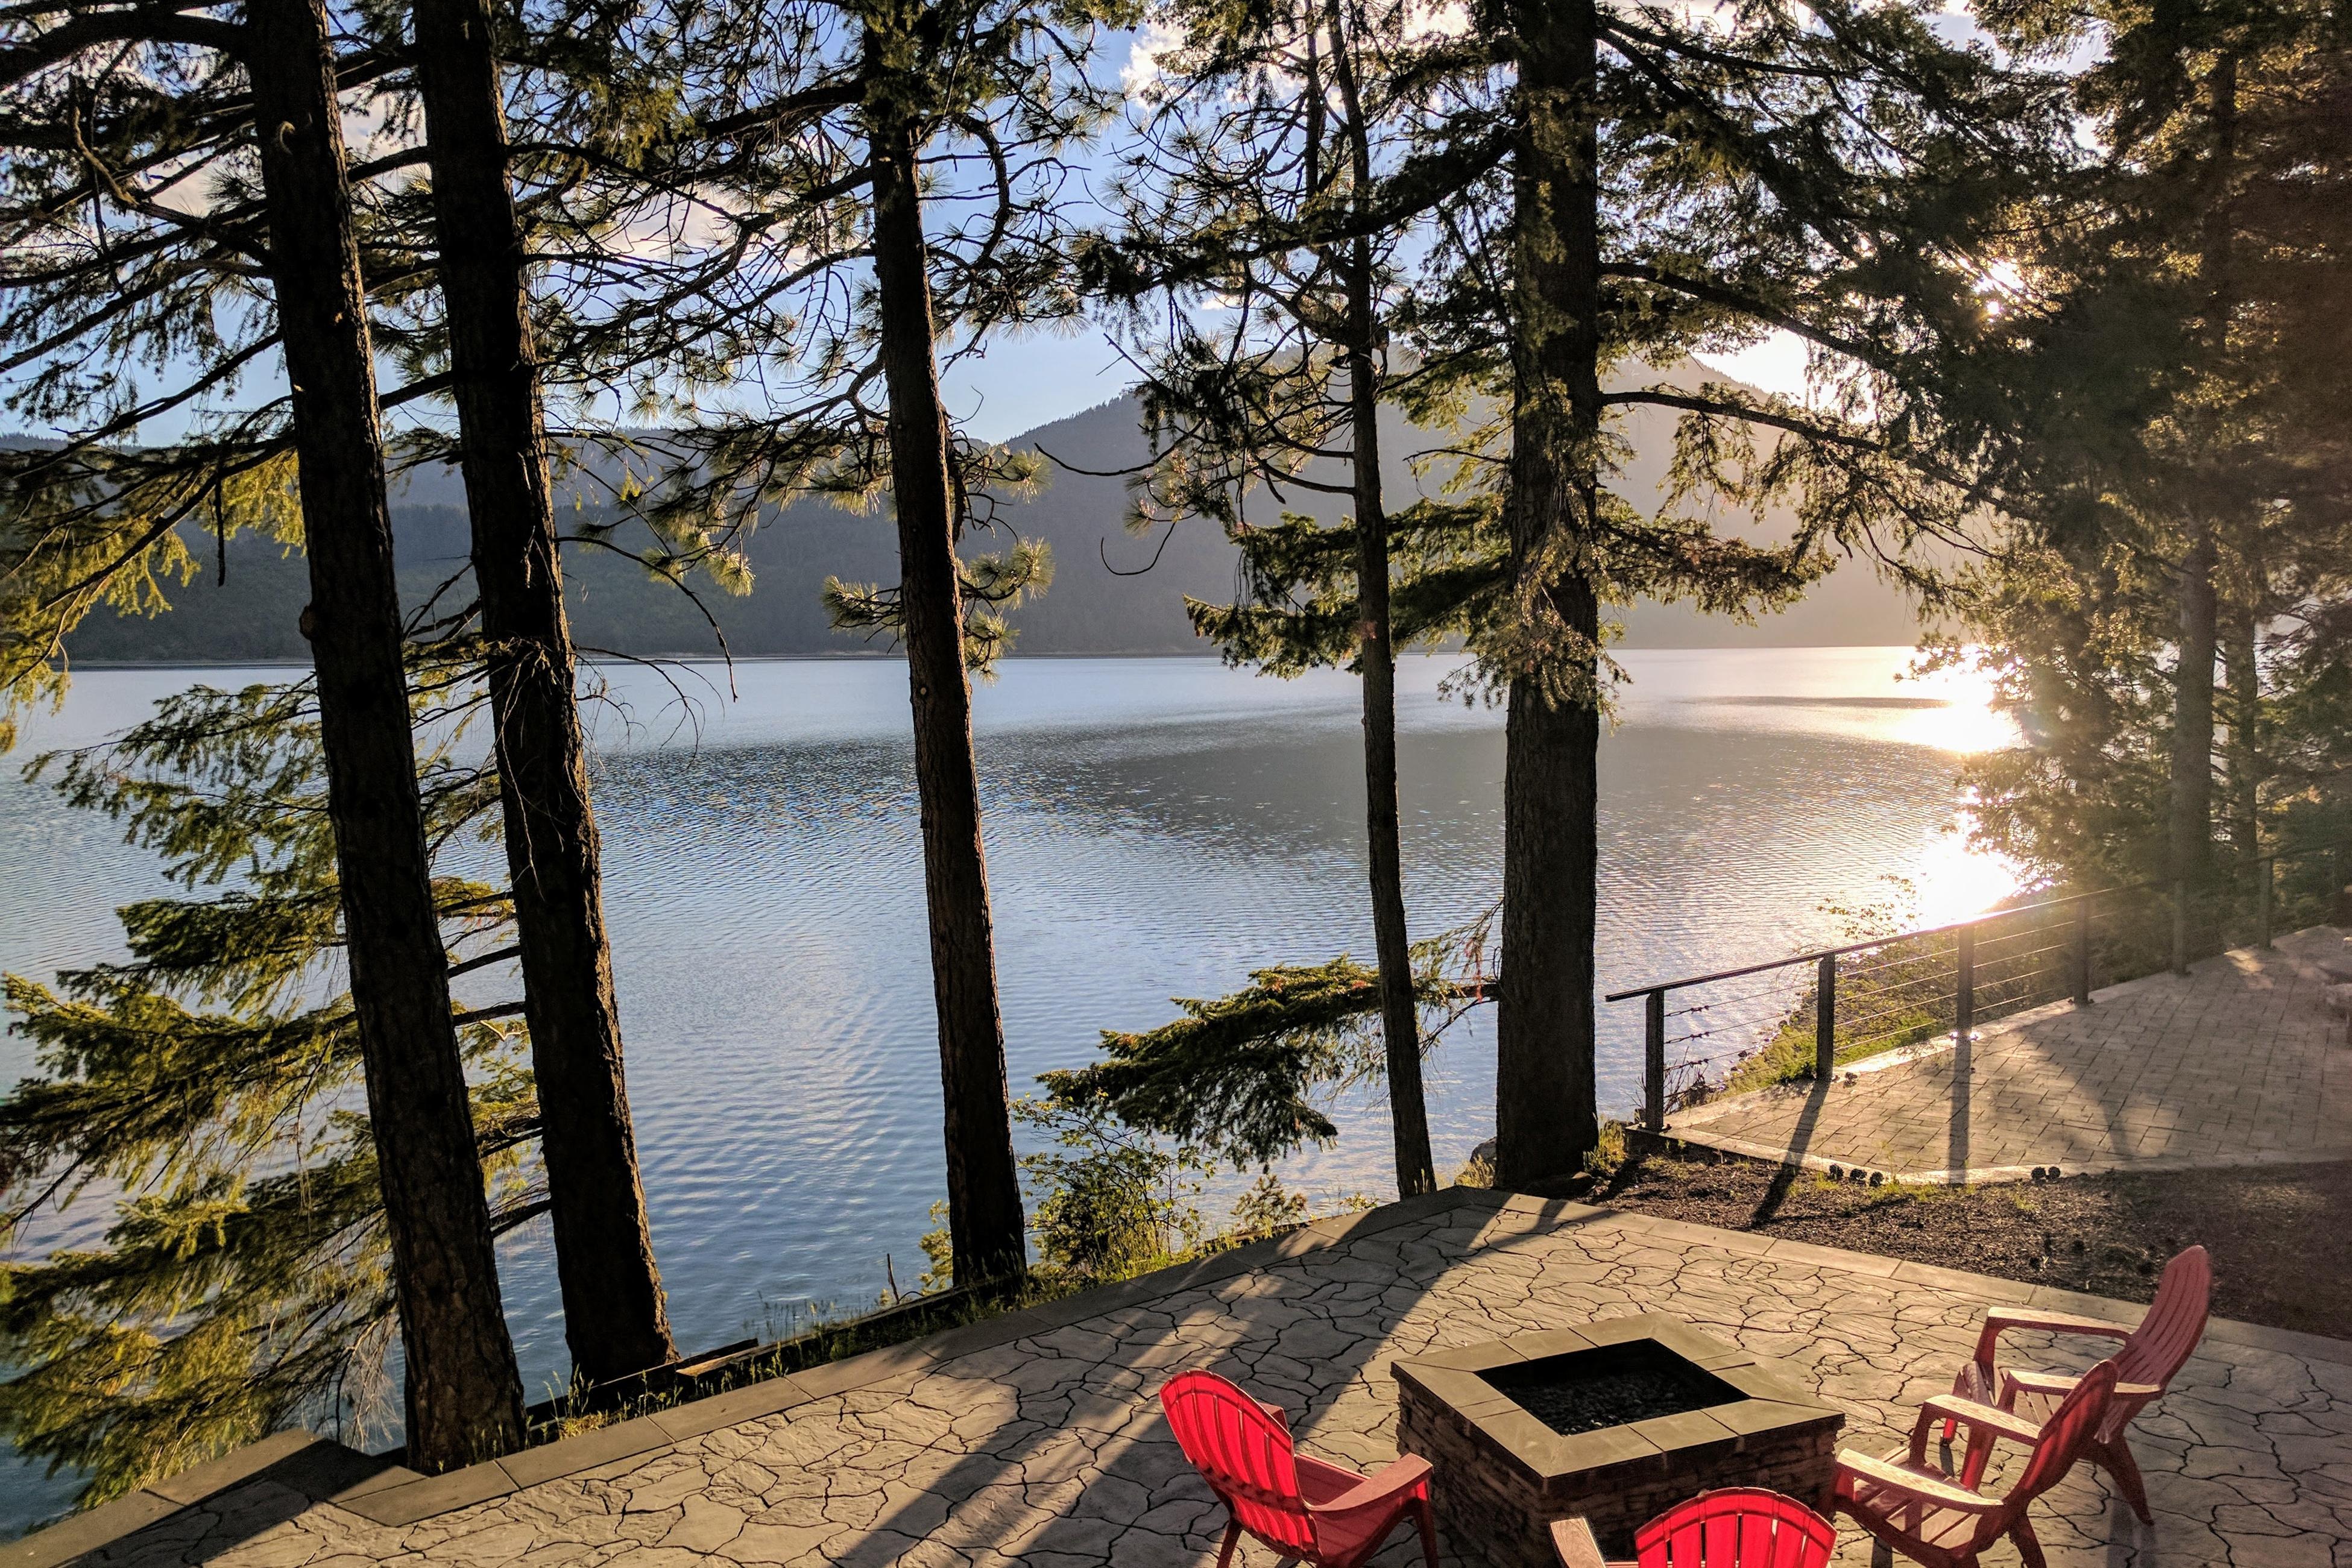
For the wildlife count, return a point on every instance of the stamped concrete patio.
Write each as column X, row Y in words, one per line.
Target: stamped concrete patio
column 2240, row 1062
column 1034, row 1438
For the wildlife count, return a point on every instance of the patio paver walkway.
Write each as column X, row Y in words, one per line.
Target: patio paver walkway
column 1046, row 1449
column 2240, row 1062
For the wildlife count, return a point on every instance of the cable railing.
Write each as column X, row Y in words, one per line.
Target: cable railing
column 1836, row 1005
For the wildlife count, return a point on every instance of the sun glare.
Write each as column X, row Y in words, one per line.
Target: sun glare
column 1966, row 723
column 1956, row 882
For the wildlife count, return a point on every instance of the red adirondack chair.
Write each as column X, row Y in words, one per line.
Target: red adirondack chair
column 1297, row 1505
column 2151, row 1353
column 1735, row 1527
column 1944, row 1521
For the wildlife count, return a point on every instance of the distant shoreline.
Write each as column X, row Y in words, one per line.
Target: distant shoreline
column 94, row 664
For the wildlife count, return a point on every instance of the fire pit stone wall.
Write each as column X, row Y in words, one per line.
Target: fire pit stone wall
column 1502, row 1475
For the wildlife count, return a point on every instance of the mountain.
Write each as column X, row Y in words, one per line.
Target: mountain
column 1113, row 592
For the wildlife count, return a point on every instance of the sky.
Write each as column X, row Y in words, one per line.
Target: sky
column 1028, row 381
column 1025, row 383
column 1020, row 383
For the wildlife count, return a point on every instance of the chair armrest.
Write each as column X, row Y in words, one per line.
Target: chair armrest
column 1573, row 1539
column 1888, row 1476
column 2000, row 1319
column 1402, row 1474
column 2058, row 1384
column 1983, row 1417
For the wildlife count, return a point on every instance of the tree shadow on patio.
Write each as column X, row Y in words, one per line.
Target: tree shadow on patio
column 1088, row 1470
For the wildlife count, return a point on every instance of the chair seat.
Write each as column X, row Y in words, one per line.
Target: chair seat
column 2035, row 1395
column 1945, row 1533
column 1352, row 1539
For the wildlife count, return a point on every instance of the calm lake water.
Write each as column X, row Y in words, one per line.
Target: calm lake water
column 1155, row 827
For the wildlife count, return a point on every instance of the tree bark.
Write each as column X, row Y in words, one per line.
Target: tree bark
column 2241, row 662
column 1375, row 654
column 985, row 1224
column 2192, row 828
column 2192, row 718
column 1544, row 1113
column 465, row 1396
column 614, row 1318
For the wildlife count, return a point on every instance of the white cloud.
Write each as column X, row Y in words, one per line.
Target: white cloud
column 1152, row 41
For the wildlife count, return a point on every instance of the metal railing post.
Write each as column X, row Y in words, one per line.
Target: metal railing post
column 2265, row 873
column 1964, row 1004
column 2082, row 951
column 1825, row 1017
column 2180, row 926
column 1654, row 1062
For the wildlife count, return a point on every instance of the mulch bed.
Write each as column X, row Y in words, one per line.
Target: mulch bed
column 2280, row 1236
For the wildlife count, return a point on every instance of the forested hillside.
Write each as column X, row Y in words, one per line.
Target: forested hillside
column 1103, row 600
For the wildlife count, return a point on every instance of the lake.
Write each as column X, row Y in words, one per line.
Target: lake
column 1155, row 827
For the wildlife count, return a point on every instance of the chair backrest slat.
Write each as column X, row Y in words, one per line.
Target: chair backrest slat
column 2175, row 1322
column 1735, row 1527
column 1244, row 1454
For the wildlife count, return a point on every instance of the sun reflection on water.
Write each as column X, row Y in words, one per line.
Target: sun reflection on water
column 1962, row 720
column 1955, row 882
column 1955, row 879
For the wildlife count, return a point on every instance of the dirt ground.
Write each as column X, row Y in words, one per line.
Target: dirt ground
column 2280, row 1236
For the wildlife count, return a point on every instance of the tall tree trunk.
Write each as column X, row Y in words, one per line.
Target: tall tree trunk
column 1400, row 1018
column 614, row 1315
column 465, row 1396
column 1544, row 1113
column 2192, row 828
column 2192, row 718
column 2241, row 661
column 1376, row 652
column 985, row 1224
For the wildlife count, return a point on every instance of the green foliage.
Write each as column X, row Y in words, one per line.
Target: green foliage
column 209, row 1088
column 939, row 1251
column 987, row 586
column 1267, row 1208
column 1107, row 1200
column 1297, row 610
column 1477, row 1171
column 2178, row 374
column 1241, row 1075
column 1237, row 1071
column 1111, row 1200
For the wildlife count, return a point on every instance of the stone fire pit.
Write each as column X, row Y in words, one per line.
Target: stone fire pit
column 1615, row 1421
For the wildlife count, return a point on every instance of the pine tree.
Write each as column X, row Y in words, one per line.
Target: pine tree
column 1837, row 174
column 1239, row 165
column 1616, row 190
column 2179, row 487
column 614, row 1317
column 215, row 1078
column 903, row 165
column 119, row 112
